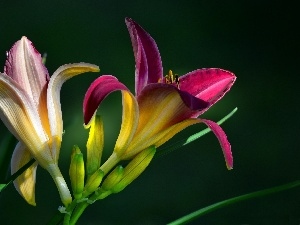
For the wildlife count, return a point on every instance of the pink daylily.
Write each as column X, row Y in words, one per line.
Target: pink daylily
column 30, row 109
column 162, row 106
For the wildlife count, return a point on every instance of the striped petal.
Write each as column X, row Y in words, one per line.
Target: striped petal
column 24, row 183
column 19, row 115
column 24, row 65
column 61, row 75
column 148, row 65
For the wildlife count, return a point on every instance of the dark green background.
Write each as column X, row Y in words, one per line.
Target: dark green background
column 254, row 39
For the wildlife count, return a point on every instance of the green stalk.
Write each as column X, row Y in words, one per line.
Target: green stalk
column 213, row 207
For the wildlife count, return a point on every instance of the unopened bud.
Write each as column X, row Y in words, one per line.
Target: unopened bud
column 94, row 145
column 76, row 172
column 135, row 167
column 113, row 178
column 93, row 182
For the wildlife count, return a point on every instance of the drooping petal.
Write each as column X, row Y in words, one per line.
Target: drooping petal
column 24, row 65
column 61, row 75
column 98, row 90
column 130, row 119
column 210, row 85
column 220, row 134
column 18, row 113
column 147, row 57
column 25, row 183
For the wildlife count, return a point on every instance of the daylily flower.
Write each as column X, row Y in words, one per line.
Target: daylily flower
column 30, row 109
column 162, row 106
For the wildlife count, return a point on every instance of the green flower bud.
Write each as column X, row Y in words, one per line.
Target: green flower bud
column 77, row 172
column 93, row 182
column 94, row 145
column 113, row 178
column 135, row 167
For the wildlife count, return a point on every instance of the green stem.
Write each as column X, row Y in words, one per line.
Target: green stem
column 110, row 163
column 78, row 212
column 60, row 182
column 213, row 207
column 69, row 210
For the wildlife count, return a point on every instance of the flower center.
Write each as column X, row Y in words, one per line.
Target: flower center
column 171, row 78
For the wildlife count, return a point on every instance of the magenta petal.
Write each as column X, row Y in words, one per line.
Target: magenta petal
column 98, row 90
column 220, row 134
column 147, row 57
column 207, row 84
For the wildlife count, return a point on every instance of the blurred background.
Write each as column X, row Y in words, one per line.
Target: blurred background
column 254, row 39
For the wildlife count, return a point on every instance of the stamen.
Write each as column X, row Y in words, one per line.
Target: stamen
column 172, row 79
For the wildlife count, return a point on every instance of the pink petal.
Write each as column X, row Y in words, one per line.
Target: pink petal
column 220, row 134
column 24, row 65
column 98, row 90
column 207, row 84
column 147, row 57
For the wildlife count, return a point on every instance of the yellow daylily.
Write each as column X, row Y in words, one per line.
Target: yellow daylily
column 30, row 108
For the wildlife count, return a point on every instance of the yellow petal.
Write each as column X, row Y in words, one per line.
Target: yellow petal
column 25, row 183
column 130, row 120
column 61, row 75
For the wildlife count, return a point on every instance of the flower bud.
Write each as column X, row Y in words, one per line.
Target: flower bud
column 135, row 167
column 94, row 145
column 113, row 178
column 77, row 172
column 93, row 182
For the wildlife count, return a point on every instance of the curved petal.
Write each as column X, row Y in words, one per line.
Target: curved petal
column 24, row 183
column 207, row 84
column 157, row 139
column 24, row 65
column 220, row 134
column 61, row 75
column 130, row 119
column 147, row 57
column 97, row 91
column 19, row 115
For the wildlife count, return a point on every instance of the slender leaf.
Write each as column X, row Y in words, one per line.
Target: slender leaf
column 213, row 207
column 16, row 174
